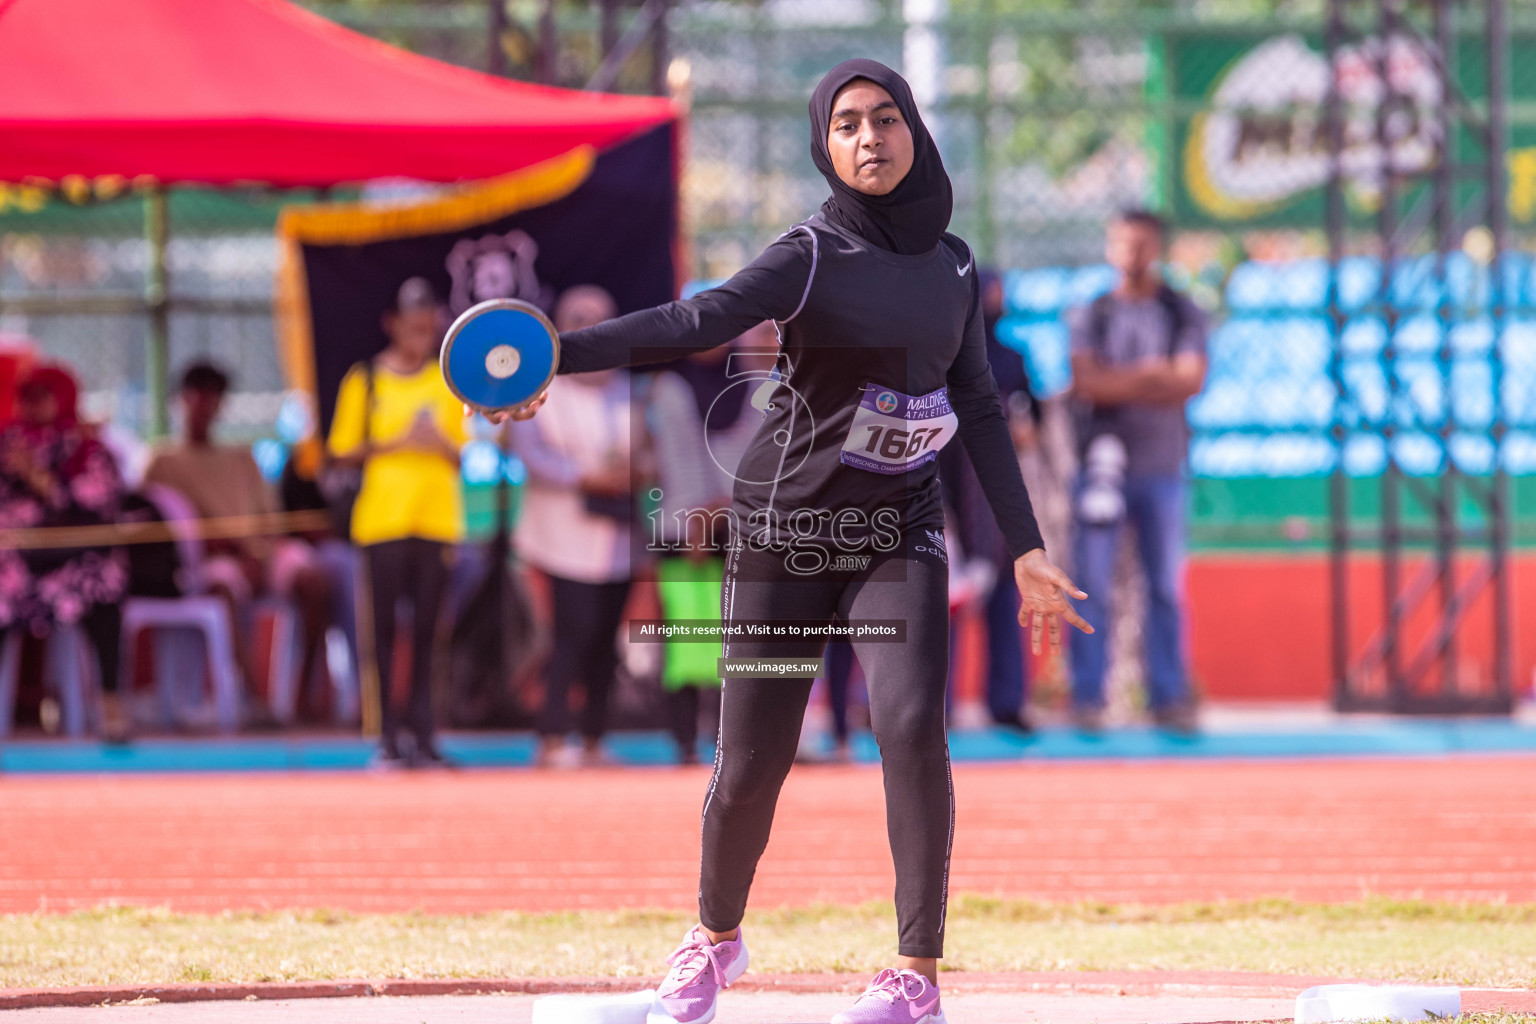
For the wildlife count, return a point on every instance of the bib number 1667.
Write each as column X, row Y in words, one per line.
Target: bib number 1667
column 894, row 443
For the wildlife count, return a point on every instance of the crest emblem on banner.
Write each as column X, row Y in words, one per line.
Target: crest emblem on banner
column 496, row 267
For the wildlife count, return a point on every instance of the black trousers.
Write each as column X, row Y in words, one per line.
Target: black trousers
column 683, row 707
column 104, row 625
column 586, row 619
column 839, row 675
column 760, row 725
column 414, row 570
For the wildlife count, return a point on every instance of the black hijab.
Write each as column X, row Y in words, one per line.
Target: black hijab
column 910, row 218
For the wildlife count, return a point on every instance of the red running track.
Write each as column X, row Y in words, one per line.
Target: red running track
column 1147, row 832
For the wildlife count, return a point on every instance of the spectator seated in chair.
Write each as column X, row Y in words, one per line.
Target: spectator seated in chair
column 54, row 472
column 223, row 480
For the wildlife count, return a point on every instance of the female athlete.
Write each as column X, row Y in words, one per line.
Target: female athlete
column 836, row 514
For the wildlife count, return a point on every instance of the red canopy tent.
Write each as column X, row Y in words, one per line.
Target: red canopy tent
column 226, row 91
column 223, row 92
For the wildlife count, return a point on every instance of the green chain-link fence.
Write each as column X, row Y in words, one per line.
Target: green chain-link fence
column 1051, row 115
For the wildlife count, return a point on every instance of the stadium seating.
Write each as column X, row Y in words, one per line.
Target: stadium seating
column 1270, row 398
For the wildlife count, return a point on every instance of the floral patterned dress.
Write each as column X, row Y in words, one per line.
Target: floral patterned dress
column 79, row 485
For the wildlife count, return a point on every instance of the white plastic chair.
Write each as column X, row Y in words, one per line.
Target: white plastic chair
column 70, row 670
column 342, row 668
column 284, row 670
column 177, row 620
column 182, row 651
column 282, row 663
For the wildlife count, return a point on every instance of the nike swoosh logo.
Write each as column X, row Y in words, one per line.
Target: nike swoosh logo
column 962, row 271
column 919, row 1012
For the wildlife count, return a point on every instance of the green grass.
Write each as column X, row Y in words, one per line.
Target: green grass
column 1376, row 938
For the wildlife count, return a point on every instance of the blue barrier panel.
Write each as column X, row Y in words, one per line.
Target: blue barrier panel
column 1044, row 346
column 1299, row 285
column 1036, row 291
column 1088, row 283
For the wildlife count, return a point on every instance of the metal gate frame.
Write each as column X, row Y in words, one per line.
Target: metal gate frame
column 1467, row 554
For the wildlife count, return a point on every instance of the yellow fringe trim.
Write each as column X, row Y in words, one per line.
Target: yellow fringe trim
column 292, row 320
column 358, row 223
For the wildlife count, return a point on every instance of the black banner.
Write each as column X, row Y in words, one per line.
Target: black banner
column 616, row 229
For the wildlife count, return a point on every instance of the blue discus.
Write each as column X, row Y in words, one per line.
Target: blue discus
column 500, row 354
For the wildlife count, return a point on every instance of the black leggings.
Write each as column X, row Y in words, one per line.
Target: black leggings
column 414, row 569
column 585, row 629
column 760, row 725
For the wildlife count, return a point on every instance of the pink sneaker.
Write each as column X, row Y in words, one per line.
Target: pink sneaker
column 896, row 997
column 699, row 971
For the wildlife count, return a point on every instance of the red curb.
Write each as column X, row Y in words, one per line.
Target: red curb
column 502, row 986
column 1493, row 1000
column 1121, row 983
column 96, row 995
column 1235, row 984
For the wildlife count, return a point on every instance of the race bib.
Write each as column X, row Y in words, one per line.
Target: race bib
column 896, row 433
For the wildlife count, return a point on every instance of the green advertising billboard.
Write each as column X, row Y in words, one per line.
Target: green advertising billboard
column 1244, row 140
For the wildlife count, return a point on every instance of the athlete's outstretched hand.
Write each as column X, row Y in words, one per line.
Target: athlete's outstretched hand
column 1044, row 590
column 522, row 412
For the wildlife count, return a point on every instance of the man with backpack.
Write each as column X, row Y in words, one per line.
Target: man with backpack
column 1138, row 355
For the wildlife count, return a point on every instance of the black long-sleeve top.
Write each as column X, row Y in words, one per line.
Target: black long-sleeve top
column 854, row 320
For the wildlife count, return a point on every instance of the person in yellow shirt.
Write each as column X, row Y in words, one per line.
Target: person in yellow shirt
column 396, row 417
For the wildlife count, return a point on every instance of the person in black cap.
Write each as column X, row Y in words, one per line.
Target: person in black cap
column 836, row 513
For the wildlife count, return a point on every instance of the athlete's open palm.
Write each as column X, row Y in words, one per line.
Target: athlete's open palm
column 1044, row 590
column 522, row 412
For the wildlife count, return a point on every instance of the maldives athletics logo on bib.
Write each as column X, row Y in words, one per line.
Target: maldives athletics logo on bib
column 897, row 433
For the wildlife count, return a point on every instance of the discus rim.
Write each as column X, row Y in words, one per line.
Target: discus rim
column 475, row 312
